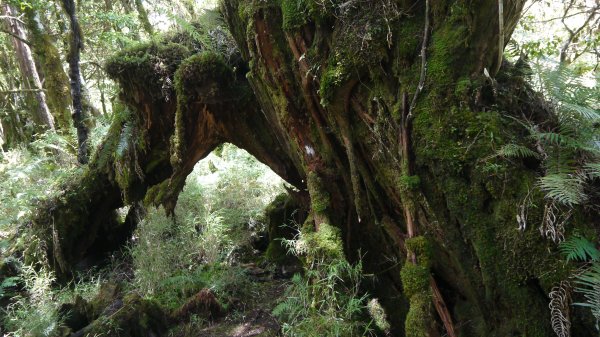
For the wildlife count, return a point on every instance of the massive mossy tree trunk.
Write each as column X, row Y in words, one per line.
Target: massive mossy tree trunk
column 385, row 114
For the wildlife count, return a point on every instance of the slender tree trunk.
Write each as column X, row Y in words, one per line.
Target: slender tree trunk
column 89, row 108
column 2, row 137
column 143, row 17
column 56, row 81
column 41, row 113
column 127, row 6
column 79, row 116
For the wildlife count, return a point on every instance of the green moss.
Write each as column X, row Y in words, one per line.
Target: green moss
column 448, row 45
column 148, row 65
column 294, row 13
column 408, row 39
column 419, row 318
column 336, row 74
column 482, row 194
column 137, row 317
column 319, row 197
column 422, row 248
column 409, row 182
column 415, row 279
column 463, row 88
column 326, row 243
column 201, row 67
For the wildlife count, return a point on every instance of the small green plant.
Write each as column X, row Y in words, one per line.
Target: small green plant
column 326, row 300
column 31, row 173
column 34, row 313
column 578, row 248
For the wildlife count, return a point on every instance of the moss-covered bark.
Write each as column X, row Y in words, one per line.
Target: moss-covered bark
column 325, row 95
column 55, row 80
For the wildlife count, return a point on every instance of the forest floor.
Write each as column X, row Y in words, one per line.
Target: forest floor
column 253, row 316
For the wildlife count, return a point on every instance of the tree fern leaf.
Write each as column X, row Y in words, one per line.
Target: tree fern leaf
column 588, row 284
column 579, row 248
column 517, row 151
column 563, row 188
column 592, row 170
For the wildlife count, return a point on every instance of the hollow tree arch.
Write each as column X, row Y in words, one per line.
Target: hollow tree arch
column 334, row 97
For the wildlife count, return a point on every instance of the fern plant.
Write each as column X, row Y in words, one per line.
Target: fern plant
column 578, row 248
column 570, row 150
column 586, row 282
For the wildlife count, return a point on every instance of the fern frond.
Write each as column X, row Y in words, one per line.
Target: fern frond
column 564, row 188
column 124, row 141
column 579, row 248
column 517, row 151
column 588, row 284
column 583, row 111
column 592, row 170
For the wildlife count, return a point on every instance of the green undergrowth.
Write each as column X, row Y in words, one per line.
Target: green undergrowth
column 218, row 218
column 30, row 173
column 218, row 213
column 327, row 300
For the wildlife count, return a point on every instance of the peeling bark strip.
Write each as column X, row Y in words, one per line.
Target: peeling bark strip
column 318, row 95
column 79, row 117
column 41, row 113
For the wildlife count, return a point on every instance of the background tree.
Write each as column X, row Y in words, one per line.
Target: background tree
column 79, row 115
column 31, row 78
